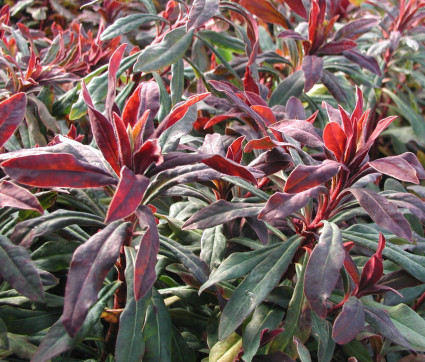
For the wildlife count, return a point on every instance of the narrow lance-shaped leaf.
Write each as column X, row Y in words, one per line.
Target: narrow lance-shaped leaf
column 266, row 11
column 130, row 345
column 56, row 170
column 172, row 48
column 128, row 195
column 256, row 286
column 144, row 268
column 89, row 266
column 383, row 212
column 296, row 6
column 17, row 268
column 349, row 322
column 12, row 112
column 220, row 212
column 323, row 268
column 114, row 64
column 15, row 196
column 313, row 70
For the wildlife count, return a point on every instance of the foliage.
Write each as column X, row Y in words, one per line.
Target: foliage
column 212, row 180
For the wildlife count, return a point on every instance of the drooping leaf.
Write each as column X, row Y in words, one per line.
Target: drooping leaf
column 158, row 56
column 58, row 340
column 30, row 229
column 127, row 197
column 144, row 269
column 130, row 345
column 383, row 212
column 256, row 286
column 12, row 111
column 313, row 70
column 365, row 61
column 220, row 212
column 200, row 12
column 306, row 177
column 15, row 196
column 56, row 170
column 339, row 88
column 17, row 268
column 323, row 268
column 349, row 322
column 355, row 28
column 237, row 265
column 89, row 266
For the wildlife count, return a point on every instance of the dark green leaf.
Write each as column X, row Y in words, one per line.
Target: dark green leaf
column 290, row 87
column 213, row 246
column 53, row 256
column 322, row 332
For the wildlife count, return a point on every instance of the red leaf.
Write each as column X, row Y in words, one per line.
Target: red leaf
column 56, row 170
column 149, row 153
column 12, row 112
column 178, row 112
column 220, row 118
column 228, row 167
column 264, row 143
column 124, row 148
column 335, row 140
column 397, row 167
column 306, row 177
column 383, row 212
column 128, row 196
column 12, row 195
column 90, row 264
column 313, row 70
column 265, row 113
column 103, row 132
column 265, row 11
column 144, row 272
column 235, row 150
column 297, row 7
column 337, row 47
column 291, row 34
column 114, row 64
column 350, row 322
column 351, row 267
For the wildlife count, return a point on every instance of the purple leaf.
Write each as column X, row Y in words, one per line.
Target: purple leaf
column 397, row 167
column 383, row 212
column 297, row 7
column 291, row 34
column 300, row 130
column 355, row 28
column 366, row 61
column 282, row 204
column 200, row 12
column 306, row 177
column 12, row 112
column 295, row 109
column 350, row 322
column 12, row 195
column 17, row 268
column 260, row 229
column 382, row 323
column 128, row 195
column 90, row 264
column 56, row 170
column 313, row 70
column 144, row 268
column 220, row 212
column 408, row 201
column 323, row 268
column 272, row 161
column 337, row 47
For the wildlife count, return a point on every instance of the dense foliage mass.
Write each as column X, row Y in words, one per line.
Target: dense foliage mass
column 211, row 180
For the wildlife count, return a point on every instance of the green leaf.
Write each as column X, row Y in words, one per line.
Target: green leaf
column 128, row 23
column 291, row 86
column 53, row 256
column 180, row 351
column 170, row 50
column 157, row 331
column 339, row 88
column 24, row 321
column 264, row 317
column 17, row 268
column 177, row 82
column 368, row 237
column 213, row 246
column 226, row 350
column 58, row 340
column 356, row 349
column 4, row 343
column 223, row 40
column 237, row 265
column 302, row 350
column 293, row 312
column 164, row 97
column 257, row 285
column 130, row 345
column 322, row 332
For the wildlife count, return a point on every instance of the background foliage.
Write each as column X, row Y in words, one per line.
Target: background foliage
column 212, row 180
